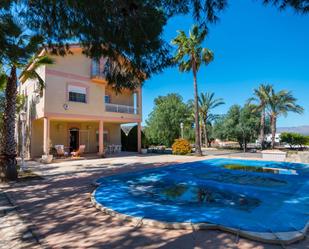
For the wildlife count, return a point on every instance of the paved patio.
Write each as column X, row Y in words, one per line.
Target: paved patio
column 59, row 207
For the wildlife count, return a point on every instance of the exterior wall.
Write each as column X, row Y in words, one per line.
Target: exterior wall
column 35, row 103
column 59, row 133
column 36, row 145
column 75, row 70
column 58, row 96
column 114, row 132
column 75, row 64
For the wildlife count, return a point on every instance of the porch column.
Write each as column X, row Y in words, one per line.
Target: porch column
column 46, row 138
column 101, row 138
column 139, row 137
column 139, row 101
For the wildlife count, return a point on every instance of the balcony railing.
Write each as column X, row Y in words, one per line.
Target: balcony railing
column 120, row 108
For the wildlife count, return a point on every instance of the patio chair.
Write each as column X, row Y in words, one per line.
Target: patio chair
column 79, row 152
column 60, row 151
column 118, row 148
column 110, row 149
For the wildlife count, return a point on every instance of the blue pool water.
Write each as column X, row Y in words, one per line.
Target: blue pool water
column 253, row 196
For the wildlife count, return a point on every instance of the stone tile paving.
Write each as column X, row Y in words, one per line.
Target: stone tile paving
column 14, row 232
column 59, row 206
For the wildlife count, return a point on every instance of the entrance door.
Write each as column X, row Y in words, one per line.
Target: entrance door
column 74, row 139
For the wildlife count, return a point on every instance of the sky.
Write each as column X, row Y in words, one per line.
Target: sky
column 252, row 44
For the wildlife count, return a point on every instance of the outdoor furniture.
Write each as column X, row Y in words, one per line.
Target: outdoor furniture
column 117, row 148
column 67, row 150
column 60, row 151
column 79, row 152
column 107, row 149
column 113, row 148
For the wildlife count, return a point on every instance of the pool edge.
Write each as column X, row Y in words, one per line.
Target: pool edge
column 281, row 238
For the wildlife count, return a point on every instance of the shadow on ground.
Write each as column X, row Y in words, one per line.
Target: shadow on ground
column 61, row 211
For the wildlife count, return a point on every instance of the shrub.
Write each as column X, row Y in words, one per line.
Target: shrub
column 181, row 147
column 293, row 139
column 307, row 142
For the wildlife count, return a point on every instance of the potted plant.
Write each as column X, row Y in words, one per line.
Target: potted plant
column 48, row 158
column 144, row 149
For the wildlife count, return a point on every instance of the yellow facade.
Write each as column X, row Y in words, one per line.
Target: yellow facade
column 51, row 115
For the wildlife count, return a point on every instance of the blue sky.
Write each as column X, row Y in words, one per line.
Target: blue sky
column 252, row 44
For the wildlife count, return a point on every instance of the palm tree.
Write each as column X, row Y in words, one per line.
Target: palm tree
column 280, row 104
column 2, row 102
column 207, row 102
column 190, row 56
column 261, row 99
column 18, row 48
column 11, row 108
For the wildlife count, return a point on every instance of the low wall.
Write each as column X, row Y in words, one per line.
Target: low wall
column 298, row 157
column 274, row 155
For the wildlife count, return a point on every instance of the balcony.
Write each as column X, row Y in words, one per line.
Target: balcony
column 120, row 108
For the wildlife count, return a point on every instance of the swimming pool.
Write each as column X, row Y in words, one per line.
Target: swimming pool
column 258, row 199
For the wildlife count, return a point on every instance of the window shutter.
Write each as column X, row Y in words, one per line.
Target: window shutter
column 77, row 89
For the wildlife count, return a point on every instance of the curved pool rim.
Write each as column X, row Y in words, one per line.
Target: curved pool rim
column 281, row 238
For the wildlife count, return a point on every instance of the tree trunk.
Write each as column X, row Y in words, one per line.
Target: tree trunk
column 201, row 133
column 8, row 164
column 198, row 150
column 206, row 135
column 262, row 130
column 273, row 130
column 241, row 145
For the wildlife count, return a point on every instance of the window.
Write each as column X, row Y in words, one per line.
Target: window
column 77, row 94
column 107, row 99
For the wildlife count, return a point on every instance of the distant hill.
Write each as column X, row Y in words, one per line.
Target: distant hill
column 299, row 129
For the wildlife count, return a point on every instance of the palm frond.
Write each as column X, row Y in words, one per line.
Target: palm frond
column 207, row 56
column 190, row 47
column 185, row 66
column 31, row 73
column 33, row 44
column 39, row 61
column 283, row 102
column 201, row 36
column 3, row 80
column 207, row 103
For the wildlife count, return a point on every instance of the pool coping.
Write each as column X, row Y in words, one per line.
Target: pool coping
column 281, row 238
